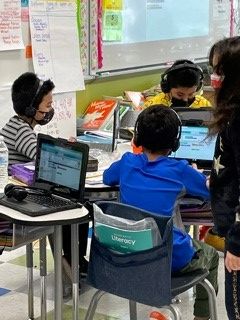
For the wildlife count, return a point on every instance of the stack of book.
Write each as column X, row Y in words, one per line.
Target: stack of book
column 97, row 140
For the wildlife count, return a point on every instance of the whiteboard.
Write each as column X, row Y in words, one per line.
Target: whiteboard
column 154, row 32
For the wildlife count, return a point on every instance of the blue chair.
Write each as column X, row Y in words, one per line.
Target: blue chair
column 144, row 276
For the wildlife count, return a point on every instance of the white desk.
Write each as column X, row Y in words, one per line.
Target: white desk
column 73, row 217
column 197, row 218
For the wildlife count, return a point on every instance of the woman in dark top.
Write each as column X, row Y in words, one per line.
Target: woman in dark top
column 225, row 176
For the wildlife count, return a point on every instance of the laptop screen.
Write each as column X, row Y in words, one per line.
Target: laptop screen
column 61, row 164
column 195, row 146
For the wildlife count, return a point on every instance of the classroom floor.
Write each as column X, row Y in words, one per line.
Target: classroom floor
column 13, row 293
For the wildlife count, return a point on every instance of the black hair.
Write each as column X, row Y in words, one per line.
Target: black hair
column 28, row 92
column 157, row 128
column 185, row 78
column 227, row 97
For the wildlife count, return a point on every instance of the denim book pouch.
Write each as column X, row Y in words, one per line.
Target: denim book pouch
column 143, row 276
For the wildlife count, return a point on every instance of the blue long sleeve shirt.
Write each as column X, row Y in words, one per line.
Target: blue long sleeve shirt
column 155, row 186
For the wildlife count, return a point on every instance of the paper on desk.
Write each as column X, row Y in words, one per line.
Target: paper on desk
column 93, row 182
column 94, row 177
column 15, row 181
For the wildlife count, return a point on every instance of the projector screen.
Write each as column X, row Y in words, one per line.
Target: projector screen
column 139, row 33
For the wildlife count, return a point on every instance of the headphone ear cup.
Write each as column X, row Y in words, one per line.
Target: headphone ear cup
column 176, row 141
column 200, row 84
column 9, row 189
column 176, row 145
column 136, row 137
column 19, row 194
column 30, row 112
column 136, row 140
column 164, row 83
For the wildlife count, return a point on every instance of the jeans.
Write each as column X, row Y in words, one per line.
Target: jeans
column 232, row 294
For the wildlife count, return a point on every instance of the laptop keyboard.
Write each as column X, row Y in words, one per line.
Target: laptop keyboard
column 49, row 201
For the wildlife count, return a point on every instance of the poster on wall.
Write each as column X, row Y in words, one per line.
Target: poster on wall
column 63, row 124
column 55, row 43
column 10, row 25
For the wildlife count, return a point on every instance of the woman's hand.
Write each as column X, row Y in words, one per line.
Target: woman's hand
column 208, row 182
column 194, row 166
column 232, row 262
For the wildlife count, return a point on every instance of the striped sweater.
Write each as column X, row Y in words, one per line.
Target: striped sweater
column 20, row 139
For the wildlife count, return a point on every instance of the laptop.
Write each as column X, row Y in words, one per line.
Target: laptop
column 195, row 116
column 60, row 170
column 196, row 147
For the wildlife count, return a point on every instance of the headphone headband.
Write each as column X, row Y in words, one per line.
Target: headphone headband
column 185, row 65
column 165, row 83
column 176, row 141
column 30, row 110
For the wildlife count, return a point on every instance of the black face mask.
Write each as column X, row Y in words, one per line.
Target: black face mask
column 181, row 103
column 47, row 118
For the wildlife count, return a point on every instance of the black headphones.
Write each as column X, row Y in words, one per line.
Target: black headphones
column 176, row 142
column 20, row 193
column 165, row 85
column 30, row 111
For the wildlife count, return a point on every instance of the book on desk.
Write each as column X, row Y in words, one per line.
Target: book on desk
column 97, row 114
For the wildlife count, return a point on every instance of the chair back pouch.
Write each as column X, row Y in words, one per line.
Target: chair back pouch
column 143, row 276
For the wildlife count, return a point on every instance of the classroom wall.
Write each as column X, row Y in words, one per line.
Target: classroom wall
column 114, row 86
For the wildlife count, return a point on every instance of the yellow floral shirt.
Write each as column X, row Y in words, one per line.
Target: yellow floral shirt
column 164, row 99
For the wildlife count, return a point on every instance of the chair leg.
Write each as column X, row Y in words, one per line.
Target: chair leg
column 133, row 310
column 212, row 298
column 175, row 312
column 93, row 304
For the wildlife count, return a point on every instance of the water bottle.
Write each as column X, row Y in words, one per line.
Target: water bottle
column 3, row 164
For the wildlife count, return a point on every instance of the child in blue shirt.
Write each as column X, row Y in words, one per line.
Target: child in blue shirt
column 154, row 182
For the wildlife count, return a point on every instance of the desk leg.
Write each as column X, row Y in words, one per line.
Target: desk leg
column 75, row 269
column 29, row 262
column 196, row 232
column 58, row 287
column 43, row 273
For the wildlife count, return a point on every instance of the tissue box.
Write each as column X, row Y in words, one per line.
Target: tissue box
column 23, row 172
